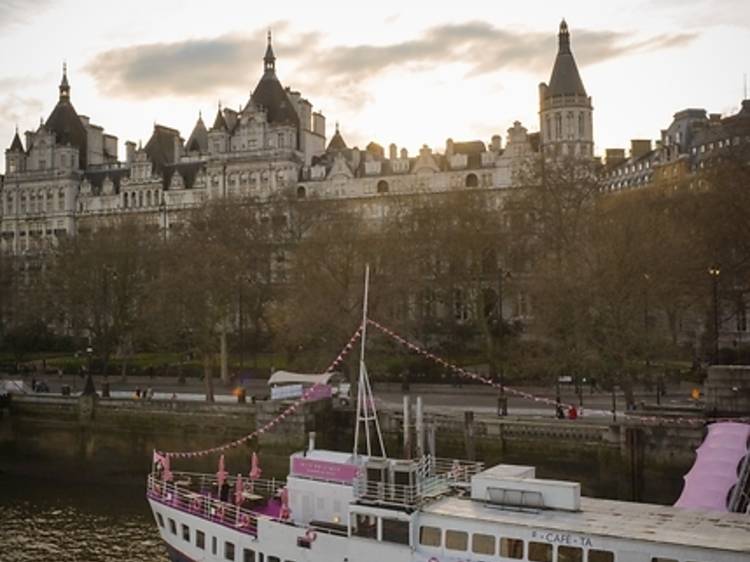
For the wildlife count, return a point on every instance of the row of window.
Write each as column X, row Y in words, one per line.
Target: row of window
column 508, row 547
column 558, row 122
column 282, row 140
column 136, row 199
column 721, row 143
column 230, row 550
column 37, row 202
column 515, row 548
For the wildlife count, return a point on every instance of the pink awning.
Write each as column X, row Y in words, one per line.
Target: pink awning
column 709, row 481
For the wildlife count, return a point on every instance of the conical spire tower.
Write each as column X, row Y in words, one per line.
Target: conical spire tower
column 565, row 109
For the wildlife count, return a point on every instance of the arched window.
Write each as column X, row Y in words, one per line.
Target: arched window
column 148, row 198
column 580, row 125
column 301, row 192
column 558, row 125
column 383, row 186
column 472, row 180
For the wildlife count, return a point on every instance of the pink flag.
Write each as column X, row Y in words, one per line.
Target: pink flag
column 221, row 474
column 255, row 470
column 238, row 490
column 285, row 513
column 161, row 463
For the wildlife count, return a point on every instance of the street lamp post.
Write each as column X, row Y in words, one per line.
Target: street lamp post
column 163, row 211
column 89, row 353
column 502, row 400
column 714, row 272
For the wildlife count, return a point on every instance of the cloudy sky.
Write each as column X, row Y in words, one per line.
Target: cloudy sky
column 391, row 71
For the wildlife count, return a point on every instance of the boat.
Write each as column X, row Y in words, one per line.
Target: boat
column 364, row 506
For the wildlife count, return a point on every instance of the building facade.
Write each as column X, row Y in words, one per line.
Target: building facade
column 66, row 176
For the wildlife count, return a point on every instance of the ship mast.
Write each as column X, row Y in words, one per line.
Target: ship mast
column 366, row 412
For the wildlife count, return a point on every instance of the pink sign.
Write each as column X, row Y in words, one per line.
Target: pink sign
column 324, row 470
column 320, row 392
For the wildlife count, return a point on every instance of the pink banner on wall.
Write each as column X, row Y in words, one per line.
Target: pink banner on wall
column 324, row 470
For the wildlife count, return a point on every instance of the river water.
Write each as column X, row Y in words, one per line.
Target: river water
column 50, row 520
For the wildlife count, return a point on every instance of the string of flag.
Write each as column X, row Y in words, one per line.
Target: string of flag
column 270, row 425
column 527, row 395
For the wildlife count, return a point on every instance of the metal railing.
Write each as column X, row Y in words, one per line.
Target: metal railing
column 207, row 483
column 194, row 493
column 433, row 478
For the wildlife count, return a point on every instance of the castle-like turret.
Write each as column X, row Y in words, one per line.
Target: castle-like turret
column 565, row 110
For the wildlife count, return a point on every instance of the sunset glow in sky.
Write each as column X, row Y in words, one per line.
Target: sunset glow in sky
column 405, row 72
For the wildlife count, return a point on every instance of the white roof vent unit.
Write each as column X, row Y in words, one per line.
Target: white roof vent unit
column 515, row 486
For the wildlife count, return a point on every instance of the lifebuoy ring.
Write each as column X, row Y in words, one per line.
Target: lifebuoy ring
column 311, row 535
column 195, row 505
column 244, row 520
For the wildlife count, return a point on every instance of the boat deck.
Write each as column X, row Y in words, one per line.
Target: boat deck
column 198, row 494
column 617, row 519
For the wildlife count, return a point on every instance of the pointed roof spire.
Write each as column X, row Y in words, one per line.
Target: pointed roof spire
column 64, row 86
column 565, row 79
column 219, row 123
column 269, row 60
column 198, row 141
column 337, row 143
column 563, row 37
column 16, row 145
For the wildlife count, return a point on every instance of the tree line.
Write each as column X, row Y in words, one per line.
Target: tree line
column 552, row 277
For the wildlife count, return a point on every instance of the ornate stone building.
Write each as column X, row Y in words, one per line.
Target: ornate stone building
column 67, row 178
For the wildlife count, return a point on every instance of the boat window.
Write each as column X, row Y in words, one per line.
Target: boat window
column 228, row 550
column 185, row 533
column 200, row 539
column 483, row 544
column 172, row 527
column 540, row 552
column 569, row 554
column 214, row 546
column 365, row 526
column 396, row 531
column 248, row 555
column 261, row 556
column 511, row 548
column 273, row 559
column 429, row 536
column 456, row 540
column 601, row 556
column 160, row 519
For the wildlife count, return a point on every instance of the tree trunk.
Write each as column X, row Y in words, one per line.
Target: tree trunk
column 223, row 358
column 208, row 376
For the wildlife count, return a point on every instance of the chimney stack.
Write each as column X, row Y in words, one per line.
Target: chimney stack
column 393, row 151
column 129, row 152
column 639, row 147
column 449, row 148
